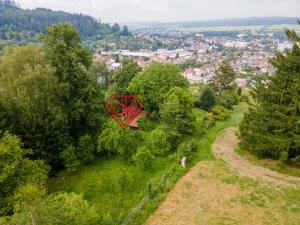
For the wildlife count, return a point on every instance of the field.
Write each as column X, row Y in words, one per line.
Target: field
column 257, row 28
column 211, row 193
column 221, row 28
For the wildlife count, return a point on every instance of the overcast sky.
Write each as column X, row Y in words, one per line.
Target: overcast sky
column 170, row 10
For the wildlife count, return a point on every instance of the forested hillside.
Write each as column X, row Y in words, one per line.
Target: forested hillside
column 19, row 24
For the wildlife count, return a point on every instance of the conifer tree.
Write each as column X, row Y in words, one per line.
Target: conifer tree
column 271, row 127
column 224, row 79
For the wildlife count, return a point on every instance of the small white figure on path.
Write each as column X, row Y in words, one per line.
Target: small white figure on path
column 183, row 161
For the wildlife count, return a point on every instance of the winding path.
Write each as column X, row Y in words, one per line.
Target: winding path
column 223, row 148
column 210, row 193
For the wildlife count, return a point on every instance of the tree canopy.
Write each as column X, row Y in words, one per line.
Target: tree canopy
column 271, row 127
column 151, row 84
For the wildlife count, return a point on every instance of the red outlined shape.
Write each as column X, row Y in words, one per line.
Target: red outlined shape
column 124, row 108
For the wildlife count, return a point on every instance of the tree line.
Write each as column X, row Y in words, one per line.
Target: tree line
column 14, row 19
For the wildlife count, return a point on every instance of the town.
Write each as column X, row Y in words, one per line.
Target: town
column 199, row 54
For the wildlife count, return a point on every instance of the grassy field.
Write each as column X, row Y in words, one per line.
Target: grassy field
column 116, row 186
column 211, row 193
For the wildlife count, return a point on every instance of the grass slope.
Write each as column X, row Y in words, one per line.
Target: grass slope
column 115, row 186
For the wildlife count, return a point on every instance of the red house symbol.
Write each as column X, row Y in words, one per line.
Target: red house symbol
column 124, row 108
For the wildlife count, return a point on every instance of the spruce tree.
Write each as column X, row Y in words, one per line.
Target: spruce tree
column 224, row 79
column 271, row 127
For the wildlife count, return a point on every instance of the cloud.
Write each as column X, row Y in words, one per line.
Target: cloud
column 170, row 10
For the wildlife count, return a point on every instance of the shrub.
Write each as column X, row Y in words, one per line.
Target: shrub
column 144, row 158
column 157, row 142
column 283, row 157
column 228, row 100
column 296, row 160
column 173, row 136
column 85, row 149
column 176, row 110
column 209, row 120
column 146, row 124
column 207, row 99
column 117, row 140
column 69, row 158
column 220, row 113
column 187, row 148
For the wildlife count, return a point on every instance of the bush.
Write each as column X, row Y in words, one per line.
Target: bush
column 228, row 100
column 144, row 158
column 176, row 110
column 283, row 157
column 85, row 149
column 146, row 124
column 117, row 140
column 69, row 158
column 186, row 149
column 220, row 113
column 173, row 136
column 207, row 99
column 157, row 142
column 209, row 120
column 296, row 160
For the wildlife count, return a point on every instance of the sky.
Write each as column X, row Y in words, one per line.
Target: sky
column 123, row 11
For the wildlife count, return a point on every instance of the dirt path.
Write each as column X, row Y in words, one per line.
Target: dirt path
column 223, row 148
column 230, row 191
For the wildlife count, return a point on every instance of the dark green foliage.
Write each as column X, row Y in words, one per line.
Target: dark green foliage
column 239, row 91
column 34, row 112
column 224, row 79
column 176, row 110
column 207, row 98
column 154, row 82
column 271, row 127
column 13, row 18
column 70, row 160
column 85, row 150
column 17, row 170
column 57, row 101
column 124, row 76
column 83, row 104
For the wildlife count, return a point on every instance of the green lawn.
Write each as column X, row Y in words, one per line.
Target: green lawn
column 113, row 185
column 116, row 186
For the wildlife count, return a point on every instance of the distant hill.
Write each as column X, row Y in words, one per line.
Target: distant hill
column 14, row 20
column 252, row 21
